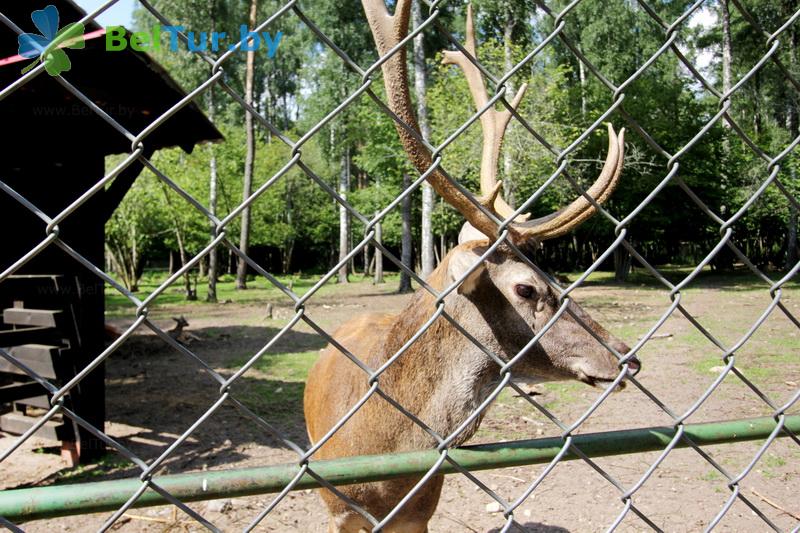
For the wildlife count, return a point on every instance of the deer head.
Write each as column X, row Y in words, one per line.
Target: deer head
column 180, row 322
column 504, row 299
column 504, row 303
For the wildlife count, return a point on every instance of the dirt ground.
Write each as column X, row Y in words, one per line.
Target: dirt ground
column 155, row 393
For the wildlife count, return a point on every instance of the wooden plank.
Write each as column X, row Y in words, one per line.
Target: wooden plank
column 32, row 317
column 23, row 391
column 38, row 357
column 42, row 402
column 35, row 335
column 34, row 290
column 33, row 277
column 17, row 424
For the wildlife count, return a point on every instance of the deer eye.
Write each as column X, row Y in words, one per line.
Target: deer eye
column 524, row 291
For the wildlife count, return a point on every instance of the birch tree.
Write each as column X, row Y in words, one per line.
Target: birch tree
column 420, row 91
column 249, row 162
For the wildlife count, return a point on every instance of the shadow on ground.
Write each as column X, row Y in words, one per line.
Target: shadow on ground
column 154, row 393
column 738, row 279
column 535, row 527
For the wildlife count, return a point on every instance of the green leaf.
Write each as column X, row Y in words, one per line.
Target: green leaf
column 56, row 62
column 70, row 36
column 31, row 66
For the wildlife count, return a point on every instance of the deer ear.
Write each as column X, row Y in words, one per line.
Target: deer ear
column 460, row 263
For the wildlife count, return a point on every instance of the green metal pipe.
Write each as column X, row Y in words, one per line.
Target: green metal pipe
column 63, row 500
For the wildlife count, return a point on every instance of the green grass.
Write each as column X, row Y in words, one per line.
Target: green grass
column 284, row 366
column 563, row 393
column 766, row 367
column 704, row 366
column 107, row 464
column 506, row 397
column 740, row 279
column 711, row 476
column 259, row 290
column 762, row 360
column 773, row 461
column 277, row 393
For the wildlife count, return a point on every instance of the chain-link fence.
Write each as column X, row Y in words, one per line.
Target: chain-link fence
column 773, row 39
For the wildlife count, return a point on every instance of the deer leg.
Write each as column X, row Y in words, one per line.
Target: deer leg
column 348, row 522
column 355, row 523
column 408, row 527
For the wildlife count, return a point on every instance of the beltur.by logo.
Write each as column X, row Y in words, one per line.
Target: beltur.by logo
column 117, row 40
column 47, row 47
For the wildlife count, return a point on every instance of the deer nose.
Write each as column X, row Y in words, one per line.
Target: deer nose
column 634, row 365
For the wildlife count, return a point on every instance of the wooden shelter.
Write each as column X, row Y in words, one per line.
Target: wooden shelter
column 52, row 150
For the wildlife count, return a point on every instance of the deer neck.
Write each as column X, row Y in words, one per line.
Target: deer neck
column 442, row 377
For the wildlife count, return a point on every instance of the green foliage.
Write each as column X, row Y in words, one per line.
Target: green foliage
column 133, row 231
column 259, row 291
column 297, row 221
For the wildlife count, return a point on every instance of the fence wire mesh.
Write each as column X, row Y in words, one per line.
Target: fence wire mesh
column 772, row 164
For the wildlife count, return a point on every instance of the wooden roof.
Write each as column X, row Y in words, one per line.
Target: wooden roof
column 42, row 118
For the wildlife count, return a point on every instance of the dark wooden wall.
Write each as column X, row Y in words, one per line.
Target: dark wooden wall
column 53, row 183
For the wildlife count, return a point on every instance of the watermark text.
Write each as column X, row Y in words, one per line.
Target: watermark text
column 117, row 40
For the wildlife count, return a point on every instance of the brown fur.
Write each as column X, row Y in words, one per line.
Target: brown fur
column 441, row 378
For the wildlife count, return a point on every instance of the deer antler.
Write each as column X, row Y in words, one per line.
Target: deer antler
column 387, row 31
column 570, row 217
column 493, row 122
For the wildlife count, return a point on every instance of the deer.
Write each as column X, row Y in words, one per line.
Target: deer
column 177, row 332
column 503, row 300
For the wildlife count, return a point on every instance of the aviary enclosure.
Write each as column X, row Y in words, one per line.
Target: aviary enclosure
column 686, row 259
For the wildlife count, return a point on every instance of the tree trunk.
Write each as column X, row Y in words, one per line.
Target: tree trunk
column 791, row 236
column 180, row 237
column 116, row 257
column 727, row 60
column 344, row 215
column 378, row 253
column 350, row 247
column 622, row 263
column 249, row 161
column 286, row 258
column 793, row 125
column 582, row 77
column 213, row 255
column 367, row 261
column 288, row 247
column 727, row 55
column 757, row 118
column 269, row 104
column 187, row 280
column 509, row 187
column 134, row 279
column 405, row 252
column 420, row 91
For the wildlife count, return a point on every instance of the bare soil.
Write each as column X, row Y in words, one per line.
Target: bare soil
column 155, row 394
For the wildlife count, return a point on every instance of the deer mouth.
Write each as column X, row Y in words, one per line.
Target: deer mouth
column 585, row 376
column 599, row 381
